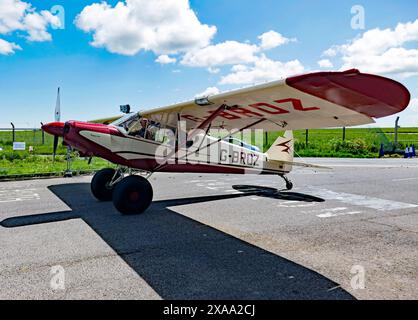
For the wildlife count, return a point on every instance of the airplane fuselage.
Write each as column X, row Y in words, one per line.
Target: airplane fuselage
column 206, row 154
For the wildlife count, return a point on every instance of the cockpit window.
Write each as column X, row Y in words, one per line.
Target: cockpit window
column 126, row 121
column 137, row 126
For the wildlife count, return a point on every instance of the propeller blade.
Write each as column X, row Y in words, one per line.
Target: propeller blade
column 58, row 107
column 55, row 147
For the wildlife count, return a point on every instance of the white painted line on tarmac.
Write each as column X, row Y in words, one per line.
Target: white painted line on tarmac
column 333, row 215
column 405, row 179
column 371, row 166
column 17, row 195
column 363, row 201
column 332, row 212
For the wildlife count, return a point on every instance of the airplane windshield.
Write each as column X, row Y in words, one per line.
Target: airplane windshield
column 126, row 120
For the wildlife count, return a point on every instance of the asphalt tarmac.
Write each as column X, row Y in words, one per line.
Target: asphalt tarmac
column 349, row 233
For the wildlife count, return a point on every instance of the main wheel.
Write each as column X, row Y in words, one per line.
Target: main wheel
column 100, row 184
column 133, row 195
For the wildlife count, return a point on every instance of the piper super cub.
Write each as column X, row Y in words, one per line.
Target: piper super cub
column 179, row 138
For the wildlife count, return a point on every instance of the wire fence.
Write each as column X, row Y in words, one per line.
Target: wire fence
column 318, row 139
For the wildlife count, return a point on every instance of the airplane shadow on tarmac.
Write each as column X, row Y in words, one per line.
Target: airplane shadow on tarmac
column 183, row 259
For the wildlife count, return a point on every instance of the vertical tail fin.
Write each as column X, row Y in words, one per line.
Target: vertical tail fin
column 282, row 148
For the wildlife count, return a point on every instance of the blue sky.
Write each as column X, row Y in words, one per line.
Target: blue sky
column 96, row 79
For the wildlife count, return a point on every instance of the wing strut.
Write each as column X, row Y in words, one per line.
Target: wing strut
column 219, row 140
column 206, row 123
column 231, row 134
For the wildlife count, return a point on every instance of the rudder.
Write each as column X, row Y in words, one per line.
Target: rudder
column 282, row 148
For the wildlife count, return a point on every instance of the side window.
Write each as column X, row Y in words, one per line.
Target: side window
column 165, row 135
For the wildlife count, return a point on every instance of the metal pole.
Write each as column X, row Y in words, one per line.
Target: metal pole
column 13, row 131
column 307, row 138
column 396, row 131
column 343, row 133
column 266, row 139
column 43, row 134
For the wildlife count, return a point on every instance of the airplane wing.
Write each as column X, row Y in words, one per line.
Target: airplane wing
column 316, row 100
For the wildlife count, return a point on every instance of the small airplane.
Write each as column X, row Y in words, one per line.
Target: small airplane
column 180, row 138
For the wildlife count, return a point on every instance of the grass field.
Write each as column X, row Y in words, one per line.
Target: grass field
column 359, row 143
column 44, row 165
column 32, row 138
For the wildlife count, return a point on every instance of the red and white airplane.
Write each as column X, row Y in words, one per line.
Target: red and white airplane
column 179, row 138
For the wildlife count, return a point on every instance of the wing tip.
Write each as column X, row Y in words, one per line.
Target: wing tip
column 372, row 95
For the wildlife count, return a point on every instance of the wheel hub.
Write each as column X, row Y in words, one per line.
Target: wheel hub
column 134, row 196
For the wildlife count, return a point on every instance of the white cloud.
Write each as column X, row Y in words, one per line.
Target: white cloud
column 273, row 39
column 413, row 105
column 214, row 70
column 165, row 59
column 228, row 52
column 325, row 63
column 381, row 51
column 17, row 15
column 7, row 48
column 11, row 14
column 36, row 25
column 233, row 52
column 331, row 52
column 264, row 69
column 208, row 92
column 161, row 26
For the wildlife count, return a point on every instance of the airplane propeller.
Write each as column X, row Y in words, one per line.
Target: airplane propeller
column 56, row 128
column 56, row 138
column 57, row 119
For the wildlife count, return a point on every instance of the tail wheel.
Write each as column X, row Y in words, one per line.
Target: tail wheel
column 133, row 195
column 100, row 184
column 289, row 185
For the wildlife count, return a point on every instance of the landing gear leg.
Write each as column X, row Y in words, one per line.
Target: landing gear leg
column 289, row 184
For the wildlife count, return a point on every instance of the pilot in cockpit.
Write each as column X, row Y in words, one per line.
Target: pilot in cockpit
column 147, row 130
column 143, row 132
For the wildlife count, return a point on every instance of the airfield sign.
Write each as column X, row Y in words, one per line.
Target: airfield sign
column 19, row 146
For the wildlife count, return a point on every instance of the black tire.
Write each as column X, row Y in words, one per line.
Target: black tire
column 289, row 186
column 99, row 185
column 133, row 195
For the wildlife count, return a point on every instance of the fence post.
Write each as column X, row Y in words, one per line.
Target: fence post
column 43, row 134
column 396, row 132
column 266, row 140
column 307, row 137
column 343, row 133
column 13, row 131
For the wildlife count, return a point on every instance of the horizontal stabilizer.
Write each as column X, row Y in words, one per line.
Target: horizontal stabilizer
column 299, row 164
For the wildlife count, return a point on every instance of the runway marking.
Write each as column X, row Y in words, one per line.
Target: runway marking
column 332, row 215
column 371, row 166
column 334, row 212
column 295, row 204
column 307, row 171
column 200, row 181
column 405, row 179
column 364, row 201
column 18, row 195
